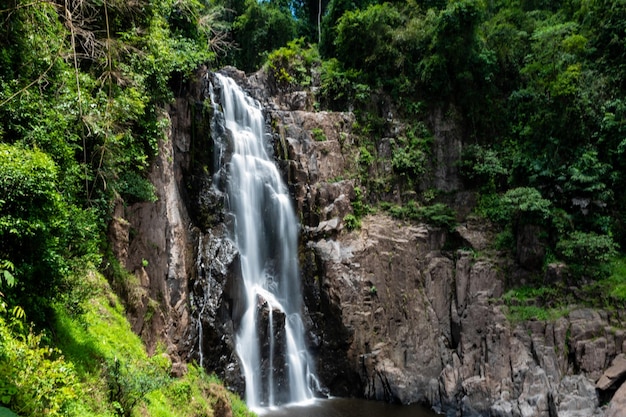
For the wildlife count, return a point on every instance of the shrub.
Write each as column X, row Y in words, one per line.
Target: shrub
column 587, row 253
column 483, row 167
column 352, row 222
column 35, row 380
column 438, row 214
column 130, row 383
column 291, row 65
column 134, row 188
column 341, row 89
column 411, row 151
column 527, row 204
column 318, row 134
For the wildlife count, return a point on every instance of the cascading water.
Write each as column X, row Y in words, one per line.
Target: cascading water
column 269, row 329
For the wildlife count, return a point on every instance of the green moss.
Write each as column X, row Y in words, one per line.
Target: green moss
column 197, row 394
column 118, row 377
column 530, row 303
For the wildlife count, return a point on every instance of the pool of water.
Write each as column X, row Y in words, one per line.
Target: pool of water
column 347, row 407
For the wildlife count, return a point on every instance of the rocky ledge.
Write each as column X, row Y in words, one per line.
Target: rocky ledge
column 427, row 325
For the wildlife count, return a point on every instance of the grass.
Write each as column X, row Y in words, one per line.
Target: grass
column 197, row 394
column 610, row 292
column 530, row 303
column 617, row 280
column 550, row 303
column 318, row 134
column 115, row 374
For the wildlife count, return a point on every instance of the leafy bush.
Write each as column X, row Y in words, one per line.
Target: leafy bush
column 35, row 380
column 352, row 222
column 438, row 214
column 410, row 152
column 129, row 383
column 530, row 303
column 318, row 134
column 291, row 66
column 483, row 167
column 527, row 205
column 196, row 394
column 261, row 28
column 359, row 207
column 365, row 40
column 587, row 253
column 134, row 188
column 341, row 89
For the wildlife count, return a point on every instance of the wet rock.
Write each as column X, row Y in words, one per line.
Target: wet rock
column 324, row 229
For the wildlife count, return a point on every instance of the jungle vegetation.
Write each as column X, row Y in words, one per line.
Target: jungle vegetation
column 537, row 88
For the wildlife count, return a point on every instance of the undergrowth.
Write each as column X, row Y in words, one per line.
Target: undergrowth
column 98, row 368
column 550, row 303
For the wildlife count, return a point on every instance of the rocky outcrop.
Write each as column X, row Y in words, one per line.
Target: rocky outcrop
column 400, row 313
column 159, row 242
column 153, row 242
column 396, row 311
column 425, row 328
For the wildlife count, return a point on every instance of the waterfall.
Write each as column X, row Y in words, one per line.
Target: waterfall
column 269, row 328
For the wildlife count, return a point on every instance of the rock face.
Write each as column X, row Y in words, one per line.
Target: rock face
column 423, row 327
column 396, row 311
column 153, row 241
column 400, row 313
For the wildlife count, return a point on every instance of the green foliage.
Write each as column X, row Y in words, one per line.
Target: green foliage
column 587, row 254
column 483, row 168
column 531, row 303
column 292, row 66
column 359, row 209
column 438, row 214
column 318, row 134
column 80, row 92
column 35, row 380
column 365, row 39
column 411, row 151
column 117, row 375
column 527, row 204
column 260, row 29
column 334, row 12
column 41, row 233
column 197, row 394
column 5, row 412
column 130, row 383
column 352, row 222
column 341, row 89
column 6, row 275
column 613, row 287
column 134, row 188
column 366, row 159
column 517, row 205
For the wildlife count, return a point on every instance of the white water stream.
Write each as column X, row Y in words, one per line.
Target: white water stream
column 266, row 235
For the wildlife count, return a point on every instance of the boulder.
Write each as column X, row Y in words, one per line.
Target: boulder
column 617, row 406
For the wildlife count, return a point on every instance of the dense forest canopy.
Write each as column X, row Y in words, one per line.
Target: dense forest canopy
column 537, row 86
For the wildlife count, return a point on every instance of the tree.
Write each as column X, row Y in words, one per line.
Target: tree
column 262, row 28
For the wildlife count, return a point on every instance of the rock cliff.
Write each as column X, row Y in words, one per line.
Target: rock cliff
column 397, row 311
